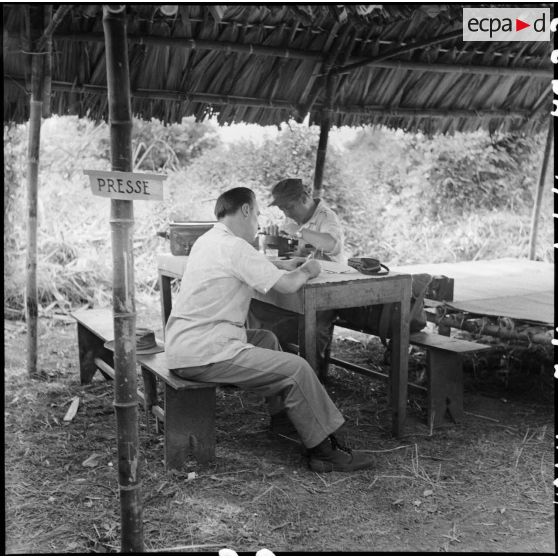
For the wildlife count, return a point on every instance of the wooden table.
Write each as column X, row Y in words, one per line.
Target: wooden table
column 325, row 292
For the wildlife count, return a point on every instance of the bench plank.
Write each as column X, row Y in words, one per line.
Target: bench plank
column 157, row 364
column 444, row 343
column 99, row 321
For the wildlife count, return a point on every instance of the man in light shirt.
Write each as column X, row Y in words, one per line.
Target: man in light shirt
column 315, row 224
column 320, row 234
column 206, row 337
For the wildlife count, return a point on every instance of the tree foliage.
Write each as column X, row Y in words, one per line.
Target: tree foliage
column 160, row 147
column 405, row 198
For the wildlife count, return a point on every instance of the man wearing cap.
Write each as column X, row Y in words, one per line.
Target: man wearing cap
column 320, row 234
column 206, row 337
column 316, row 226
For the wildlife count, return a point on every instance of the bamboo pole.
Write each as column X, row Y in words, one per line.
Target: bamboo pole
column 36, row 18
column 46, row 39
column 325, row 125
column 122, row 221
column 321, row 153
column 539, row 192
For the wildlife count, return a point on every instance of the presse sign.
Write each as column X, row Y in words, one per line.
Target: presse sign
column 126, row 185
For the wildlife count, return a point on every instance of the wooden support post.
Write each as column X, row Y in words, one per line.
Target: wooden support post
column 122, row 220
column 539, row 193
column 325, row 125
column 36, row 18
column 47, row 79
column 321, row 155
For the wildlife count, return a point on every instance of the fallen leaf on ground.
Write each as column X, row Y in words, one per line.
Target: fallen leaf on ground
column 71, row 413
column 92, row 460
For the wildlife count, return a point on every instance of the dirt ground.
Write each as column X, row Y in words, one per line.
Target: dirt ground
column 482, row 486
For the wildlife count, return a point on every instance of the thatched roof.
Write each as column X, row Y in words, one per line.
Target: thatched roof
column 268, row 63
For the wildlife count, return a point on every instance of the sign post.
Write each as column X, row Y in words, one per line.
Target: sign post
column 123, row 186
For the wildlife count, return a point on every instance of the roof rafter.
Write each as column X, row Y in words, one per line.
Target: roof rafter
column 399, row 50
column 353, row 63
column 212, row 98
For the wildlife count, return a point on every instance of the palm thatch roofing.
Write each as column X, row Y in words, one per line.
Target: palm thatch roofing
column 401, row 65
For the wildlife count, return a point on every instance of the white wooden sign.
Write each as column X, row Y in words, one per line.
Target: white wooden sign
column 126, row 185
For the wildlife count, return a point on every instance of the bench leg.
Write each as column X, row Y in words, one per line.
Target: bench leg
column 445, row 387
column 150, row 395
column 166, row 298
column 189, row 426
column 91, row 347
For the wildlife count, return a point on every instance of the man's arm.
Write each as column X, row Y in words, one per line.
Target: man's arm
column 320, row 240
column 290, row 264
column 292, row 281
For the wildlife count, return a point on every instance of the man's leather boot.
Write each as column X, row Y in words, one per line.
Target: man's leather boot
column 281, row 424
column 330, row 456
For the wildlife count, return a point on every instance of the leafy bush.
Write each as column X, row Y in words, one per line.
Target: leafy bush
column 404, row 198
column 479, row 172
column 160, row 147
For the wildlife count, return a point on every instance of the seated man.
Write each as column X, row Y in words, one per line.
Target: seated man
column 319, row 232
column 206, row 338
column 320, row 235
column 316, row 226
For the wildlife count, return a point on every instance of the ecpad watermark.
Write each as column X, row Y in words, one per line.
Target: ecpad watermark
column 506, row 24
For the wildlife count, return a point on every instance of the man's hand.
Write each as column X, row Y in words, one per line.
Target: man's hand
column 294, row 280
column 311, row 267
column 272, row 230
column 291, row 264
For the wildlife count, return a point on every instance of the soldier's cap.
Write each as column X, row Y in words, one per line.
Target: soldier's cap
column 287, row 190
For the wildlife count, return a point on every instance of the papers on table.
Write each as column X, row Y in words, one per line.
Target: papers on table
column 327, row 267
column 335, row 267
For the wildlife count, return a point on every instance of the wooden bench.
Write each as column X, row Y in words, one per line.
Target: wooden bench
column 444, row 368
column 188, row 414
column 94, row 329
column 188, row 411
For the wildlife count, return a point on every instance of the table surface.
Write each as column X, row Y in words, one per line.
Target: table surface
column 175, row 266
column 515, row 288
column 331, row 291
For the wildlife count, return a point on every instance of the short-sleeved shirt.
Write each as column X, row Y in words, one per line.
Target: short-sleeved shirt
column 207, row 322
column 323, row 220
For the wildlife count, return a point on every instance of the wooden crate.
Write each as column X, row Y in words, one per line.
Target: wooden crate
column 183, row 235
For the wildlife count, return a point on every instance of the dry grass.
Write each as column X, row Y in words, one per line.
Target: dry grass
column 482, row 486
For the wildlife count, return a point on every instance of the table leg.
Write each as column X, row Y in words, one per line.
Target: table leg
column 399, row 360
column 307, row 330
column 166, row 298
